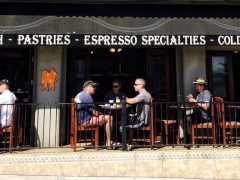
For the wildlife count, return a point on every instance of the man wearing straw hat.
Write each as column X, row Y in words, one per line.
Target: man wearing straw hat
column 203, row 101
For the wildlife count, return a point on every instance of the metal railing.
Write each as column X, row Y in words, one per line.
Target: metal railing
column 172, row 124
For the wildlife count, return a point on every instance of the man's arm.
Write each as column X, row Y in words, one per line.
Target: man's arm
column 203, row 105
column 132, row 100
column 96, row 112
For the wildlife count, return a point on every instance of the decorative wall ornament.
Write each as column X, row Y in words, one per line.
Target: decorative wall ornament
column 48, row 79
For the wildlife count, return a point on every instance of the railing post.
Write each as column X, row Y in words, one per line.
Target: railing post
column 124, row 130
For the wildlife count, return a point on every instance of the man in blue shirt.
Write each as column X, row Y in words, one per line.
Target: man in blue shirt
column 203, row 100
column 87, row 113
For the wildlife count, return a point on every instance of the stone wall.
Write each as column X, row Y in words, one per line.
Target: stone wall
column 204, row 164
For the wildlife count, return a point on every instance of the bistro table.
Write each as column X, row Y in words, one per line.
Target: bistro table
column 111, row 107
column 117, row 107
column 234, row 106
column 183, row 109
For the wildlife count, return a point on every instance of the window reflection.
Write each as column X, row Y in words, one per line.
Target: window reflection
column 219, row 69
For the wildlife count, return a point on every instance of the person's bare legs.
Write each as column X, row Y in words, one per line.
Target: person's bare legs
column 108, row 121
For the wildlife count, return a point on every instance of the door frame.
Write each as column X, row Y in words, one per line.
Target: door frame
column 230, row 87
column 170, row 70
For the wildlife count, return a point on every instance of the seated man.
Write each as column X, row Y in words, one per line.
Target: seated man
column 143, row 99
column 203, row 99
column 115, row 95
column 7, row 98
column 200, row 114
column 87, row 113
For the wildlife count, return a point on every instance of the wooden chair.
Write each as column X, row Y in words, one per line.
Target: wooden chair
column 11, row 134
column 77, row 129
column 230, row 126
column 168, row 124
column 149, row 129
column 206, row 127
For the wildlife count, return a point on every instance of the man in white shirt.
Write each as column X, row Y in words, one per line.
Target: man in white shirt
column 7, row 98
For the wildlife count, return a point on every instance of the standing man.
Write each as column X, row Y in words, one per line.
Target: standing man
column 7, row 99
column 87, row 113
column 203, row 100
column 142, row 100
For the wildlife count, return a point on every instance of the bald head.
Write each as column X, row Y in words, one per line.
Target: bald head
column 140, row 81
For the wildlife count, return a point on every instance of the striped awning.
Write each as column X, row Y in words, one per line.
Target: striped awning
column 157, row 8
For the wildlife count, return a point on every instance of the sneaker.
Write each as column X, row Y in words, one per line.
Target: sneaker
column 116, row 145
column 134, row 123
column 129, row 147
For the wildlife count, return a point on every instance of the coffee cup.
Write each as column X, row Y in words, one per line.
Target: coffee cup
column 111, row 101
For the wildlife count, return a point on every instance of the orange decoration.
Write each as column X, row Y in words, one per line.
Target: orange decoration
column 48, row 79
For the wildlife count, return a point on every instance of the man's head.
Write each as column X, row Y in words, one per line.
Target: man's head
column 200, row 84
column 139, row 84
column 4, row 85
column 116, row 86
column 89, row 86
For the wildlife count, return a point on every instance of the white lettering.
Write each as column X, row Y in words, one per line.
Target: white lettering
column 86, row 39
column 1, row 39
column 20, row 39
column 67, row 40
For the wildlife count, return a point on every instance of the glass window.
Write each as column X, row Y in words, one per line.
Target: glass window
column 220, row 78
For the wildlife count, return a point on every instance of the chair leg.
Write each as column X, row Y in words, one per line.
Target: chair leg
column 193, row 135
column 166, row 132
column 96, row 138
column 178, row 136
column 130, row 136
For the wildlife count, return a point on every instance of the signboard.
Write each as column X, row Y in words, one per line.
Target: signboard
column 111, row 40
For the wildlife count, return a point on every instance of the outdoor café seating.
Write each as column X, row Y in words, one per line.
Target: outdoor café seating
column 11, row 136
column 81, row 134
column 144, row 134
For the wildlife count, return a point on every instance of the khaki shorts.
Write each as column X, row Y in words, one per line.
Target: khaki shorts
column 95, row 121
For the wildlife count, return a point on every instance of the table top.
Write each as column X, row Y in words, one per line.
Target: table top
column 234, row 106
column 182, row 107
column 111, row 107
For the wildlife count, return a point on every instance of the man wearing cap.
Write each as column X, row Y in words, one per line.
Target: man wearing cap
column 87, row 113
column 203, row 100
column 7, row 98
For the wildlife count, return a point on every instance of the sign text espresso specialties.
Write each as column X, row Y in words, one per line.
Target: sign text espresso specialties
column 117, row 40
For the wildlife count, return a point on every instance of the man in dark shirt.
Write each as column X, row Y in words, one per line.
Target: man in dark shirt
column 116, row 95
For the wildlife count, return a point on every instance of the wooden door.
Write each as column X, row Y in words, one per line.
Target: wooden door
column 161, row 74
column 220, row 75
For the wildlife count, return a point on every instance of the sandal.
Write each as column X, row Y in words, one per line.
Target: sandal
column 109, row 148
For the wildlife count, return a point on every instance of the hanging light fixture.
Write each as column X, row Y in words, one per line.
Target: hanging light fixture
column 112, row 50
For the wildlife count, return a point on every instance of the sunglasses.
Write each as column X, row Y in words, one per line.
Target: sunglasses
column 115, row 86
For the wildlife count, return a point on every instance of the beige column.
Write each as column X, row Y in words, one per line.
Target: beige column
column 194, row 64
column 47, row 114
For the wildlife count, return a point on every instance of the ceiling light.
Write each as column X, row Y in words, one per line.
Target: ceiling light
column 112, row 50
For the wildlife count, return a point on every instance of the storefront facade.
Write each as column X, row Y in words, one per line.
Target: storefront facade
column 173, row 51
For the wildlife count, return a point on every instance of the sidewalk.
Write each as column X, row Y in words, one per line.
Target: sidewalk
column 13, row 177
